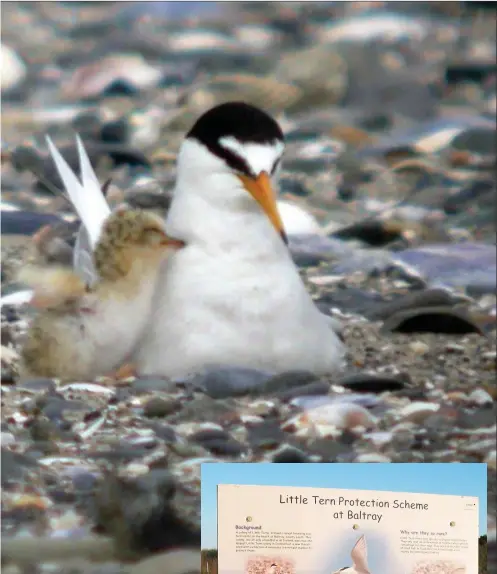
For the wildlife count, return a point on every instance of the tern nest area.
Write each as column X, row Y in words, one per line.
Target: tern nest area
column 388, row 111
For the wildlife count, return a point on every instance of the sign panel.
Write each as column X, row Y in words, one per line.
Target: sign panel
column 293, row 530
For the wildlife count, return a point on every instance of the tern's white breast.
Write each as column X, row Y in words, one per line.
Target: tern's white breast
column 243, row 304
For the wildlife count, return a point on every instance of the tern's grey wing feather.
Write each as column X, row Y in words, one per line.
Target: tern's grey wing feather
column 83, row 262
column 359, row 556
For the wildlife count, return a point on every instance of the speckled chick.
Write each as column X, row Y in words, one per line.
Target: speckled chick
column 81, row 331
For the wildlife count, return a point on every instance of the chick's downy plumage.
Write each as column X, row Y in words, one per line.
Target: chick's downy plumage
column 84, row 331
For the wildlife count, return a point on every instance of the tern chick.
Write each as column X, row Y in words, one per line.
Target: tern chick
column 82, row 331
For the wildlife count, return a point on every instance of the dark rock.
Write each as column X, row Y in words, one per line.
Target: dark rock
column 470, row 265
column 61, row 496
column 148, row 200
column 372, row 232
column 463, row 198
column 290, row 455
column 266, row 435
column 218, row 442
column 26, row 222
column 205, row 409
column 87, row 125
column 165, row 433
column 116, row 132
column 366, row 383
column 375, row 87
column 328, row 449
column 28, row 159
column 224, row 382
column 25, row 158
column 43, row 430
column 424, row 298
column 84, row 481
column 285, row 381
column 14, row 466
column 37, row 385
column 294, row 187
column 432, row 320
column 145, row 385
column 7, row 376
column 480, row 140
column 312, row 389
column 477, row 419
column 350, row 300
column 55, row 406
column 209, row 434
column 159, row 407
column 124, row 155
column 470, row 71
column 118, row 453
column 311, row 249
column 140, row 515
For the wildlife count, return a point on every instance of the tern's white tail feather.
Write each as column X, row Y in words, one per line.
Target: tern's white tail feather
column 87, row 198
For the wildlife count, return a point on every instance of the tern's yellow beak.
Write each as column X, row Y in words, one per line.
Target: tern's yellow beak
column 260, row 189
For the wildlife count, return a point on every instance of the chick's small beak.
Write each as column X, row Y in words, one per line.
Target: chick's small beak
column 172, row 242
column 261, row 190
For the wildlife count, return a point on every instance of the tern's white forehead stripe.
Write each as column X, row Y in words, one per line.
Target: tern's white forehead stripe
column 259, row 157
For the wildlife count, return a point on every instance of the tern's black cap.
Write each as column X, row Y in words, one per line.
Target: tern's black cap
column 246, row 123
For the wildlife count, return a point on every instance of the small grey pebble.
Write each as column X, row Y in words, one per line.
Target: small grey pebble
column 221, row 382
column 37, row 385
column 159, row 407
column 286, row 381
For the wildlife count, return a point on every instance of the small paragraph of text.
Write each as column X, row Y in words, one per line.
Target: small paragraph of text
column 420, row 542
column 251, row 540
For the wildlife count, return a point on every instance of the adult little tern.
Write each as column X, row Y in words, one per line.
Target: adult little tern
column 233, row 295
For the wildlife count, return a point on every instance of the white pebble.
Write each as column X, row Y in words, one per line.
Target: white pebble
column 373, row 457
column 480, row 397
column 380, row 438
column 296, row 221
column 7, row 438
column 417, row 412
column 134, row 469
column 13, row 68
column 251, row 419
column 491, row 460
column 339, row 416
column 419, row 347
